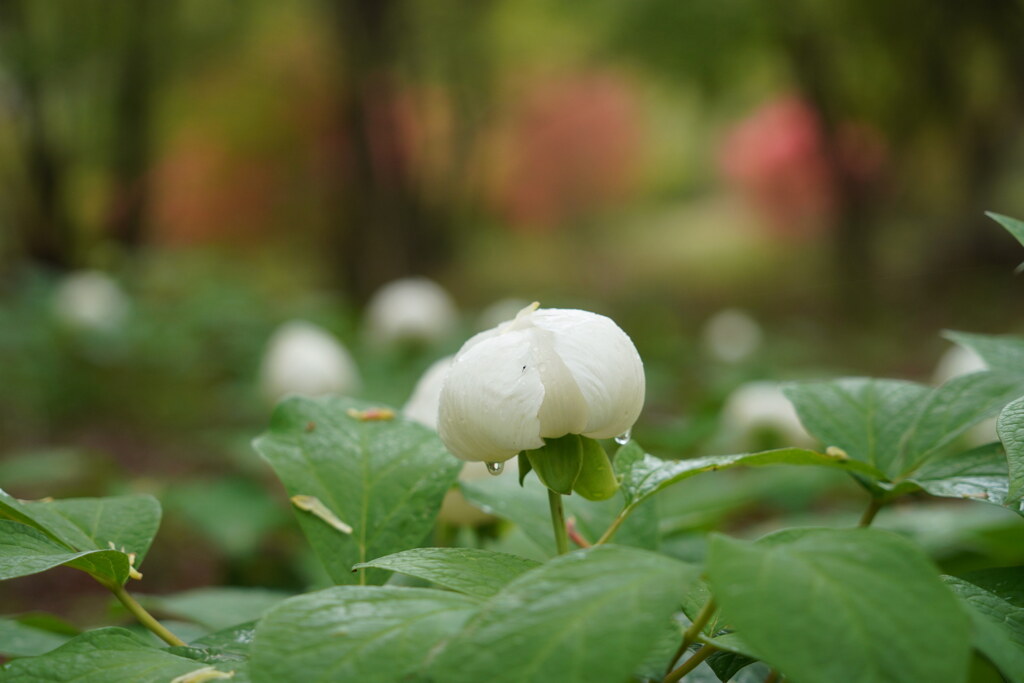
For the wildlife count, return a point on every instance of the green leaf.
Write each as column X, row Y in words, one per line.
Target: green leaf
column 1010, row 427
column 953, row 408
column 24, row 551
column 644, row 475
column 841, row 605
column 124, row 522
column 591, row 615
column 978, row 474
column 107, row 655
column 20, row 639
column 558, row 462
column 1001, row 353
column 597, row 479
column 865, row 417
column 998, row 627
column 1006, row 582
column 480, row 573
column 227, row 650
column 215, row 608
column 1012, row 225
column 527, row 506
column 355, row 633
column 384, row 478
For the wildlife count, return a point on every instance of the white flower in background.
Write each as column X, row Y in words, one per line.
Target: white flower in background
column 410, row 309
column 426, row 396
column 305, row 359
column 762, row 406
column 731, row 335
column 955, row 362
column 499, row 312
column 90, row 300
column 958, row 361
column 545, row 374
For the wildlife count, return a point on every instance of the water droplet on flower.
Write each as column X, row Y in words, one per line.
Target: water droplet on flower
column 623, row 438
column 495, row 468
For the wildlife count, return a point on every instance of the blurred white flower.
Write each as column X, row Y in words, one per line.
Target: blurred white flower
column 957, row 361
column 761, row 406
column 410, row 309
column 305, row 359
column 545, row 374
column 426, row 396
column 731, row 335
column 90, row 300
column 500, row 311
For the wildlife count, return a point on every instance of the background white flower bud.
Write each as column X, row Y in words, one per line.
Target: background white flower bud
column 759, row 406
column 426, row 396
column 305, row 359
column 731, row 335
column 410, row 309
column 957, row 361
column 90, row 300
column 545, row 374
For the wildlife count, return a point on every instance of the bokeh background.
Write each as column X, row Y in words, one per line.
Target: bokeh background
column 217, row 169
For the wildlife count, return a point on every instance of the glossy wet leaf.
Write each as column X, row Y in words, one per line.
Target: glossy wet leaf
column 25, row 551
column 642, row 475
column 841, row 605
column 355, row 633
column 384, row 478
column 591, row 615
column 978, row 474
column 471, row 571
column 1001, row 353
column 998, row 627
column 1010, row 427
column 106, row 655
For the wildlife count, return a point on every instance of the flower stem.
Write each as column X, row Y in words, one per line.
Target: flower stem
column 869, row 514
column 144, row 617
column 690, row 664
column 558, row 522
column 607, row 535
column 692, row 633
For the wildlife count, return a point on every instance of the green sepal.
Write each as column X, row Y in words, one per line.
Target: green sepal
column 558, row 462
column 597, row 478
column 524, row 467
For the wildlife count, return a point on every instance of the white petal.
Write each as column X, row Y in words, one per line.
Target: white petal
column 491, row 399
column 564, row 410
column 426, row 396
column 605, row 365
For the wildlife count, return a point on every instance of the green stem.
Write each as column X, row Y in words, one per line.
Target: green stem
column 692, row 633
column 607, row 535
column 869, row 514
column 558, row 522
column 690, row 664
column 144, row 617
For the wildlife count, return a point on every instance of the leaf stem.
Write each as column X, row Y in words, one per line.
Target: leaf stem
column 773, row 676
column 869, row 514
column 144, row 617
column 690, row 664
column 607, row 535
column 692, row 633
column 558, row 522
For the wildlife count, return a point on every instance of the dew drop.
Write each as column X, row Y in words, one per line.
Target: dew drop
column 495, row 468
column 623, row 438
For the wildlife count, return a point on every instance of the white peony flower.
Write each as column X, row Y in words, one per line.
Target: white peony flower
column 426, row 396
column 305, row 359
column 410, row 309
column 90, row 300
column 545, row 374
column 731, row 335
column 955, row 362
column 762, row 405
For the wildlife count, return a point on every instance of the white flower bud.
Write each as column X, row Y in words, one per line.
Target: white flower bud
column 762, row 405
column 90, row 300
column 426, row 396
column 955, row 362
column 731, row 335
column 305, row 359
column 411, row 309
column 548, row 373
